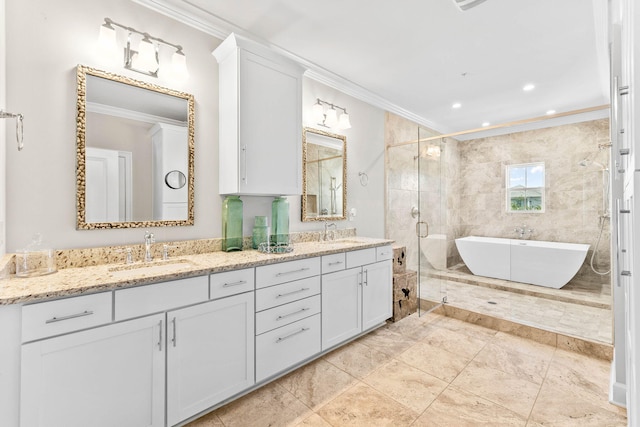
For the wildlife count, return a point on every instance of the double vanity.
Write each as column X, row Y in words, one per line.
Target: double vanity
column 157, row 344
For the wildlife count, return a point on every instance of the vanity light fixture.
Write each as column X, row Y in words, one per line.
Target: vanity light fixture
column 145, row 59
column 329, row 118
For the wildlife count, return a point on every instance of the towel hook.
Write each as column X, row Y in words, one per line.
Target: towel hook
column 19, row 126
column 364, row 178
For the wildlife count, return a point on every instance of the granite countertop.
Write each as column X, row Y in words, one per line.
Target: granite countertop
column 84, row 280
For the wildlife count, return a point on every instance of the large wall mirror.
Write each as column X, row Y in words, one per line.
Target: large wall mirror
column 324, row 167
column 135, row 148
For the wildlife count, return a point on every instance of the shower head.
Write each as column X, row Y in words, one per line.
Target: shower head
column 467, row 4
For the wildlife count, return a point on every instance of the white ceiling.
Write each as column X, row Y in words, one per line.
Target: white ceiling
column 418, row 57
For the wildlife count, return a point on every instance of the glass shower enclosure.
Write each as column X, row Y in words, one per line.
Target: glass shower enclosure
column 416, row 212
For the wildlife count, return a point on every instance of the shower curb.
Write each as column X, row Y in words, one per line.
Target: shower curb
column 561, row 341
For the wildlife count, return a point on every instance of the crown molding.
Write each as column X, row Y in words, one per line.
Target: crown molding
column 189, row 14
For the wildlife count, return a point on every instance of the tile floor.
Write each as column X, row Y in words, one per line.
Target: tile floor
column 527, row 304
column 433, row 371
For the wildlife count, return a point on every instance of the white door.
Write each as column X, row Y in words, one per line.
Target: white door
column 102, row 185
column 341, row 306
column 377, row 294
column 107, row 376
column 210, row 354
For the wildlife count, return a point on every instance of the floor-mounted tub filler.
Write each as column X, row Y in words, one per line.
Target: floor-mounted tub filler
column 549, row 264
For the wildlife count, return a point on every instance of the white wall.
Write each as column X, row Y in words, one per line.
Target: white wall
column 41, row 84
column 3, row 163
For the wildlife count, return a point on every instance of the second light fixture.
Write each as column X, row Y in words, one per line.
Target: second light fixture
column 328, row 117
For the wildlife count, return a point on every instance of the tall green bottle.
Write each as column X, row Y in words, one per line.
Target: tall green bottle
column 280, row 221
column 232, row 224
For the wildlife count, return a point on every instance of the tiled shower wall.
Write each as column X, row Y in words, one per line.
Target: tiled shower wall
column 473, row 185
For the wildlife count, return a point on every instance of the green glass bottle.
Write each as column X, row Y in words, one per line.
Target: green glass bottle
column 260, row 231
column 280, row 221
column 232, row 224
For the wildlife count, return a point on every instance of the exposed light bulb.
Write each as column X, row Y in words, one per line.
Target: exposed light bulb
column 528, row 87
column 456, row 105
column 485, row 124
column 551, row 112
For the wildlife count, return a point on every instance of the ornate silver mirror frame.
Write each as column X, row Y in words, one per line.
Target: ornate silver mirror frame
column 172, row 210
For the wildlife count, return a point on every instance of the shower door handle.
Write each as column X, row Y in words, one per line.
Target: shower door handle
column 419, row 225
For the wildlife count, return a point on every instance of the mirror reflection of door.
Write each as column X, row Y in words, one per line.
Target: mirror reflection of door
column 108, row 181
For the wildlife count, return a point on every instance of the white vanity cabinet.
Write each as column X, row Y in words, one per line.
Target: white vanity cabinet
column 260, row 147
column 210, row 354
column 108, row 376
column 288, row 315
column 357, row 298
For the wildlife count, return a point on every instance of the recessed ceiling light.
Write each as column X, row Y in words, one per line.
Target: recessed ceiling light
column 550, row 112
column 485, row 124
column 528, row 87
column 456, row 105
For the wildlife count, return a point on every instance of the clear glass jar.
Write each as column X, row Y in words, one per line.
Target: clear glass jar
column 260, row 231
column 232, row 224
column 280, row 221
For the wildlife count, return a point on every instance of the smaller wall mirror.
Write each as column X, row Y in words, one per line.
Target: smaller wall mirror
column 324, row 174
column 135, row 152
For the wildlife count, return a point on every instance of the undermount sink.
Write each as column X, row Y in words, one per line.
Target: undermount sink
column 157, row 267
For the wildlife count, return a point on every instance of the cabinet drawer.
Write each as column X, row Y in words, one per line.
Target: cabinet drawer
column 50, row 318
column 384, row 253
column 284, row 347
column 287, row 292
column 149, row 299
column 231, row 283
column 274, row 274
column 361, row 257
column 283, row 315
column 331, row 263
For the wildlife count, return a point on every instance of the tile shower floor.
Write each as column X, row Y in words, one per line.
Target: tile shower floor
column 433, row 371
column 572, row 311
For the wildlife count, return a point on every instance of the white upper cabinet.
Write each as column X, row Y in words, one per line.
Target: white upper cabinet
column 260, row 145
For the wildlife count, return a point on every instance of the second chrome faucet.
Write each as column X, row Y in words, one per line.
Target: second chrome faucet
column 149, row 239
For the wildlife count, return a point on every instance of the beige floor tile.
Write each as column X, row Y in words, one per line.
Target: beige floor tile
column 435, row 361
column 561, row 406
column 587, row 377
column 524, row 345
column 467, row 328
column 456, row 342
column 317, row 383
column 522, row 365
column 314, row 420
column 455, row 407
column 410, row 386
column 209, row 420
column 386, row 341
column 357, row 359
column 270, row 405
column 505, row 389
column 364, row 406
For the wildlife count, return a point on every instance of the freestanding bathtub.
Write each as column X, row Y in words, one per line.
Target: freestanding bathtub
column 549, row 264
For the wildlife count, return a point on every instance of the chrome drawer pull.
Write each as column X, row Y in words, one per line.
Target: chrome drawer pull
column 292, row 292
column 292, row 335
column 292, row 314
column 71, row 316
column 160, row 341
column 625, row 273
column 240, row 282
column 625, row 211
column 335, row 263
column 291, row 272
column 174, row 339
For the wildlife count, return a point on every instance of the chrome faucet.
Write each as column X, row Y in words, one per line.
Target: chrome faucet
column 149, row 239
column 522, row 231
column 326, row 231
